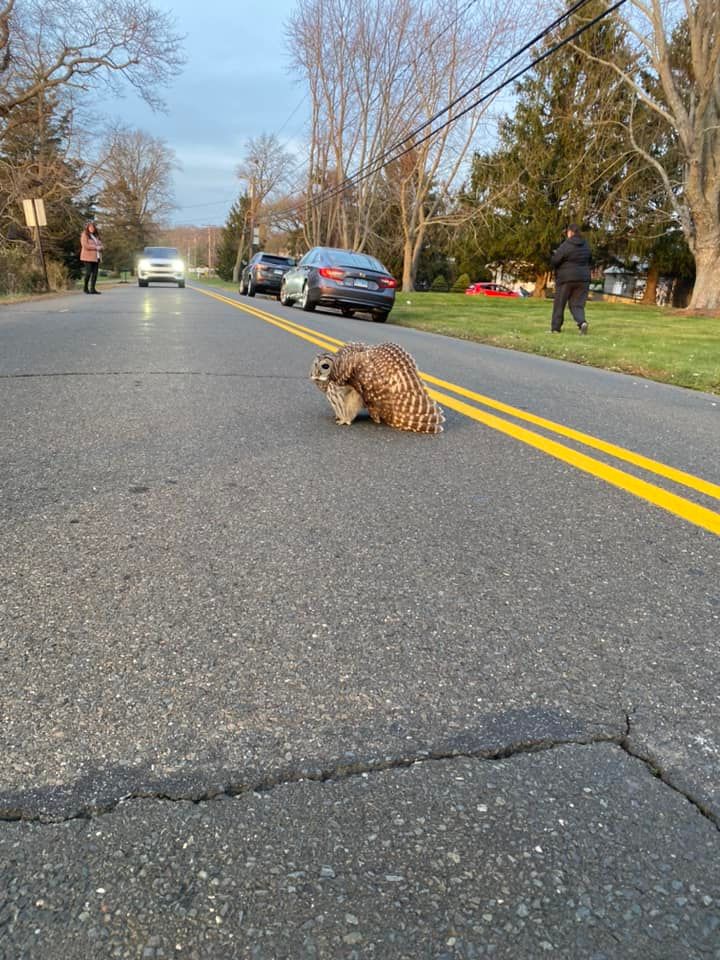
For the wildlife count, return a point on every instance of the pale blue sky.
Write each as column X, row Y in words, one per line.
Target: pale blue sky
column 234, row 86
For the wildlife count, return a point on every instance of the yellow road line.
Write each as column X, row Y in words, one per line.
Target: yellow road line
column 620, row 453
column 680, row 506
column 288, row 326
column 700, row 516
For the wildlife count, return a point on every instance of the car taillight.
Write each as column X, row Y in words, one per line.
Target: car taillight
column 332, row 273
column 389, row 282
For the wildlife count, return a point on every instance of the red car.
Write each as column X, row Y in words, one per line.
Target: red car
column 490, row 290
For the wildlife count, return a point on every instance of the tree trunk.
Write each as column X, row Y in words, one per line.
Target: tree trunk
column 706, row 292
column 650, row 295
column 541, row 282
column 237, row 266
column 409, row 267
column 412, row 248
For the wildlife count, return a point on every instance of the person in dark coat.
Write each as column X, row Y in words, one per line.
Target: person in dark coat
column 571, row 261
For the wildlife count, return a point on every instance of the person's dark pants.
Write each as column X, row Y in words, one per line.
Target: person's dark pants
column 91, row 272
column 572, row 294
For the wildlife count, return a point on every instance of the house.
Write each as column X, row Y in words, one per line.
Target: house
column 621, row 282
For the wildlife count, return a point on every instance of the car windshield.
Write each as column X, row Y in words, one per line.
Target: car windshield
column 346, row 258
column 165, row 253
column 283, row 261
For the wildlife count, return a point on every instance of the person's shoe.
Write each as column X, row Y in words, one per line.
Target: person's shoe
column 583, row 328
column 86, row 291
column 556, row 331
column 95, row 291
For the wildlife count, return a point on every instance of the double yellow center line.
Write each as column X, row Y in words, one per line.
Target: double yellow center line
column 680, row 506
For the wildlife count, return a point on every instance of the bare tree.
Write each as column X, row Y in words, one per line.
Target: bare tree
column 429, row 173
column 5, row 14
column 45, row 44
column 356, row 69
column 265, row 169
column 684, row 94
column 379, row 74
column 136, row 194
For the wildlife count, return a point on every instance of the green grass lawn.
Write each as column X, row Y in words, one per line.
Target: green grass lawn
column 660, row 344
column 652, row 342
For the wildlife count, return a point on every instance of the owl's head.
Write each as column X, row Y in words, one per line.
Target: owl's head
column 321, row 370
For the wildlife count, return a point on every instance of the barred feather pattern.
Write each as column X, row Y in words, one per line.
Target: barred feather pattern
column 384, row 378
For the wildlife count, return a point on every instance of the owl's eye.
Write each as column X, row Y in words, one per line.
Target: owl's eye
column 325, row 366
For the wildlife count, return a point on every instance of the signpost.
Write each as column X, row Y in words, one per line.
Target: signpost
column 34, row 209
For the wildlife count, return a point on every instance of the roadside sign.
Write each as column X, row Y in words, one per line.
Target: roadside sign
column 34, row 209
column 34, row 213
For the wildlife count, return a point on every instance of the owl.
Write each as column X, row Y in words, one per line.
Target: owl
column 383, row 378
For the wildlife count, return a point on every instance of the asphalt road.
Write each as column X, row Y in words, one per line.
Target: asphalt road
column 274, row 688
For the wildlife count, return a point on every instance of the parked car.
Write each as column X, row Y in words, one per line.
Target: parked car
column 160, row 265
column 490, row 290
column 350, row 281
column 264, row 273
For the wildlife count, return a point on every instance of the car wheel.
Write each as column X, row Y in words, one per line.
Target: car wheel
column 347, row 311
column 304, row 301
column 142, row 283
column 242, row 289
column 251, row 287
column 380, row 316
column 283, row 297
column 181, row 284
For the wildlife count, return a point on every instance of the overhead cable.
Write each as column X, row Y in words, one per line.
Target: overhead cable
column 394, row 152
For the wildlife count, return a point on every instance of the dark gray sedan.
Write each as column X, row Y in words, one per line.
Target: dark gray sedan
column 350, row 281
column 264, row 273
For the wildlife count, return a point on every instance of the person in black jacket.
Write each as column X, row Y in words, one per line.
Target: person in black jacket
column 571, row 261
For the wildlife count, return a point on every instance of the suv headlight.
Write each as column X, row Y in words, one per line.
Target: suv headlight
column 143, row 264
column 178, row 266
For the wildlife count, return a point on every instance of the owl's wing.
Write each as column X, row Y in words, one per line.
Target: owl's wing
column 347, row 362
column 393, row 392
column 386, row 372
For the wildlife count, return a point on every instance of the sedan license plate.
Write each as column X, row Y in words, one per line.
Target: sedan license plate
column 278, row 273
column 361, row 283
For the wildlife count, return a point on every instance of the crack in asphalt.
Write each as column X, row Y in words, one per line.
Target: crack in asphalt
column 657, row 771
column 344, row 771
column 336, row 771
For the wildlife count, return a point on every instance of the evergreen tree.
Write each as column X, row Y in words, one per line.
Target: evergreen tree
column 560, row 155
column 234, row 233
column 35, row 142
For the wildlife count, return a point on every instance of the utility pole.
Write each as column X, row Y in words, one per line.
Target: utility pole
column 252, row 217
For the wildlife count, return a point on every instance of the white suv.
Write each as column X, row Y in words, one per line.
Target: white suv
column 160, row 264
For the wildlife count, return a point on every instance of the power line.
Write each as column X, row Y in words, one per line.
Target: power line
column 391, row 154
column 376, row 165
column 211, row 203
column 292, row 114
column 501, row 86
column 401, row 73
